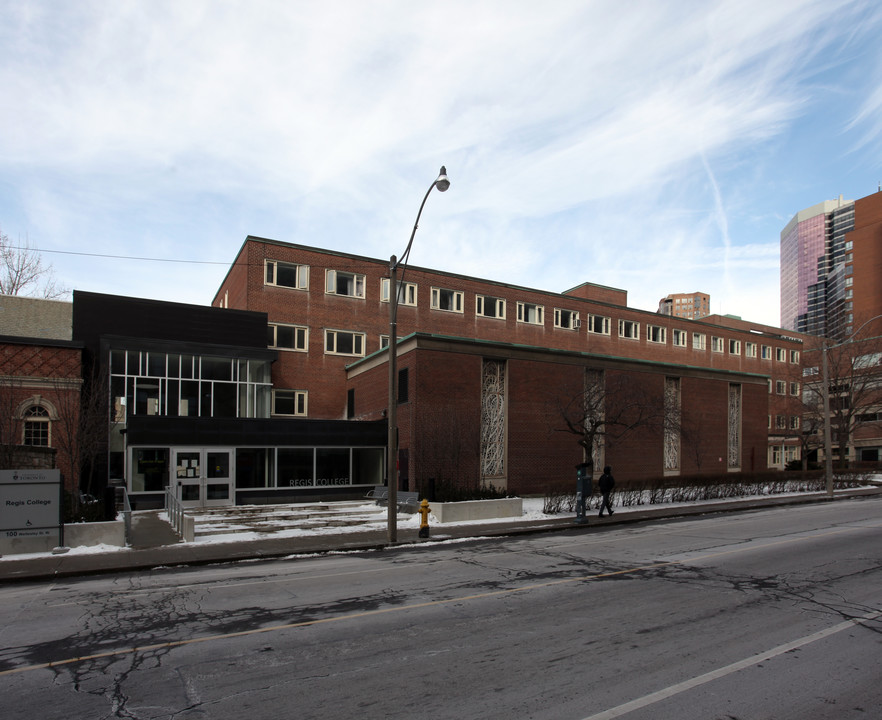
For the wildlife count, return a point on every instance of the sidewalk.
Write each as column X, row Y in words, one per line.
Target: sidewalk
column 41, row 567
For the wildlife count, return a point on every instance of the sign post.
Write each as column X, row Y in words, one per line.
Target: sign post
column 30, row 510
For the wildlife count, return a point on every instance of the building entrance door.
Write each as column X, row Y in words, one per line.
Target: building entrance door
column 204, row 476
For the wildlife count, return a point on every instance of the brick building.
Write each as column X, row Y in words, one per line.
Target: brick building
column 486, row 369
column 40, row 381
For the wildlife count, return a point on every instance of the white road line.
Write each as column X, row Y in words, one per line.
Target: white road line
column 672, row 690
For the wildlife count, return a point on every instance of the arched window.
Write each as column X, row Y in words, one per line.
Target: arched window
column 36, row 426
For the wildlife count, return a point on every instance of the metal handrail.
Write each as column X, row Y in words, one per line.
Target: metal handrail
column 175, row 510
column 127, row 515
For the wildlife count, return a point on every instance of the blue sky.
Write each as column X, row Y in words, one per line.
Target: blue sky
column 653, row 146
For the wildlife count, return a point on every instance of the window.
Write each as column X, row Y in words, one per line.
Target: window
column 492, row 307
column 750, row 349
column 289, row 275
column 287, row 337
column 780, row 422
column 734, row 347
column 403, row 386
column 289, row 402
column 794, row 356
column 699, row 341
column 678, row 338
column 566, row 319
column 598, row 324
column 407, row 292
column 384, row 341
column 344, row 283
column 530, row 313
column 717, row 344
column 780, row 355
column 766, row 352
column 794, row 389
column 794, row 422
column 449, row 300
column 36, row 426
column 780, row 387
column 629, row 329
column 340, row 342
column 656, row 334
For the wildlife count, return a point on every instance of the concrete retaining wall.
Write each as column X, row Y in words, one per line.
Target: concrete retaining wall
column 477, row 510
column 95, row 533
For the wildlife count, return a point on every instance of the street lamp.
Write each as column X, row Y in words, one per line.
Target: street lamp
column 442, row 183
column 828, row 451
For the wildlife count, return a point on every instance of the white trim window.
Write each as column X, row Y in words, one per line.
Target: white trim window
column 734, row 347
column 407, row 292
column 678, row 338
column 750, row 349
column 530, row 313
column 717, row 344
column 780, row 387
column 794, row 389
column 287, row 337
column 447, row 300
column 288, row 275
column 342, row 283
column 36, row 428
column 656, row 334
column 794, row 356
column 491, row 307
column 344, row 342
column 290, row 402
column 780, row 422
column 629, row 329
column 699, row 341
column 766, row 351
column 598, row 324
column 566, row 319
column 780, row 355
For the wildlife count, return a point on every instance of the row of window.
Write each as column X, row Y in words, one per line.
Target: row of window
column 785, row 422
column 292, row 337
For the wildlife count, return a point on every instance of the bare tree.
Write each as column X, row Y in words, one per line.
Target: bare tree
column 611, row 407
column 854, row 371
column 22, row 272
column 10, row 421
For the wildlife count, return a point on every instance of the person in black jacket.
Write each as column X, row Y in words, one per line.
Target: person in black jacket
column 606, row 483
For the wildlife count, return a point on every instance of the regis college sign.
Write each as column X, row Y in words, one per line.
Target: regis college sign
column 30, row 503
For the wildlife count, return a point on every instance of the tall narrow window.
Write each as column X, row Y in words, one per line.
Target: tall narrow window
column 36, row 426
column 493, row 420
column 734, row 423
column 672, row 424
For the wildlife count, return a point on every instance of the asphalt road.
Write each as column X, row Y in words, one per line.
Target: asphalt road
column 766, row 614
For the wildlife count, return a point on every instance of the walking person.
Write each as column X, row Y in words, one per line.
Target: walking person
column 606, row 483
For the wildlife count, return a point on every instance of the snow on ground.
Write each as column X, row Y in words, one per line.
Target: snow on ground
column 374, row 518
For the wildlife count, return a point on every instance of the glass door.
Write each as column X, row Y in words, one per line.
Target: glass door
column 204, row 476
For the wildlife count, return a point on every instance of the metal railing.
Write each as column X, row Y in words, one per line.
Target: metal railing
column 126, row 508
column 175, row 510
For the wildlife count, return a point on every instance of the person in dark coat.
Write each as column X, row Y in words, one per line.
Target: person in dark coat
column 606, row 483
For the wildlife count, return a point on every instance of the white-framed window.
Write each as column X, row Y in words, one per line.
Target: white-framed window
column 717, row 344
column 407, row 292
column 849, row 281
column 794, row 422
column 766, row 352
column 290, row 402
column 629, row 329
column 384, row 341
column 750, row 349
column 598, row 324
column 344, row 342
column 287, row 337
column 678, row 338
column 794, row 356
column 491, row 307
column 699, row 341
column 347, row 284
column 530, row 313
column 656, row 334
column 794, row 389
column 448, row 300
column 289, row 275
column 780, row 355
column 770, row 388
column 734, row 347
column 36, row 430
column 781, row 422
column 566, row 319
column 780, row 387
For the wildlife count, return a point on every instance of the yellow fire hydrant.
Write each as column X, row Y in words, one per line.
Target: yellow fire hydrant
column 424, row 518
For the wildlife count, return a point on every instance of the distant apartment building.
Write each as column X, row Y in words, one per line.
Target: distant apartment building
column 685, row 305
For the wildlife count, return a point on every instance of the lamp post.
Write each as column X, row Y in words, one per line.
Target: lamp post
column 828, row 450
column 442, row 183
